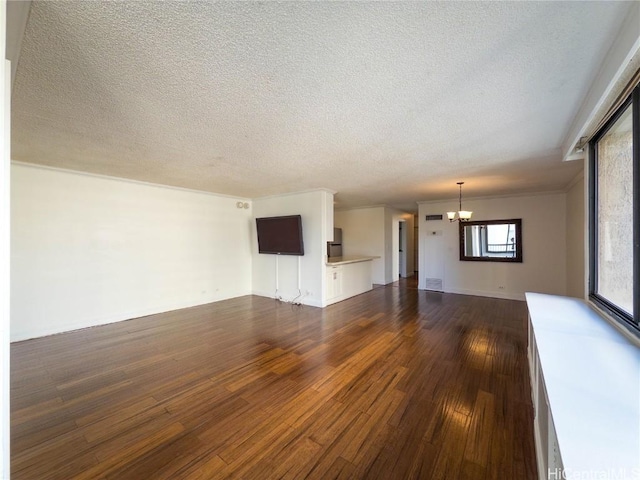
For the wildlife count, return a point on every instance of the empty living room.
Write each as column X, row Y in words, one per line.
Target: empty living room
column 320, row 240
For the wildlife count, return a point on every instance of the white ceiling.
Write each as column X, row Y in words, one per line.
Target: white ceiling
column 386, row 103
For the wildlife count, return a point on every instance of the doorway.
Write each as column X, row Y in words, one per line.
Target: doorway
column 402, row 252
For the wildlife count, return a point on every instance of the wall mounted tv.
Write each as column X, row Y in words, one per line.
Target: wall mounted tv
column 280, row 235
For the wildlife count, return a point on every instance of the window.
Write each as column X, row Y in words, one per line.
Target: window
column 614, row 230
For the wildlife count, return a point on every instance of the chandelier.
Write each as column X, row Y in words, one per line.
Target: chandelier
column 460, row 215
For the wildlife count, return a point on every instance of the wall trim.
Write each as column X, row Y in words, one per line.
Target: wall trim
column 308, row 301
column 161, row 185
column 491, row 294
column 126, row 180
column 121, row 317
column 364, row 207
column 491, row 197
column 311, row 190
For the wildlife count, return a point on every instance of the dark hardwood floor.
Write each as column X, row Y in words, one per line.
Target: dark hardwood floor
column 393, row 384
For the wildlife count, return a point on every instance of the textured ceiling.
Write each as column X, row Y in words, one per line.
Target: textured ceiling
column 386, row 103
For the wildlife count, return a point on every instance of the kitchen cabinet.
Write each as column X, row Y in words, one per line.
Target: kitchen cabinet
column 334, row 282
column 347, row 277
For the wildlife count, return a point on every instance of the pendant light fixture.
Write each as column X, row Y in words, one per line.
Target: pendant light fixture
column 460, row 215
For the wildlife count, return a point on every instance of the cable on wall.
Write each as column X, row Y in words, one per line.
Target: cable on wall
column 296, row 300
column 275, row 295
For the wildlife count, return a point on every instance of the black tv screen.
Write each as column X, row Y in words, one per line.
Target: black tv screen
column 280, row 235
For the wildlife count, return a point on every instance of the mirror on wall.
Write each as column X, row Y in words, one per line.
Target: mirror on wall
column 491, row 240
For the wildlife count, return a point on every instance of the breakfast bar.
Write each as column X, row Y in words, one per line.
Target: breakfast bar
column 347, row 277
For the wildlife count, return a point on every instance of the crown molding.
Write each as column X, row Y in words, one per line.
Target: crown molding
column 125, row 180
column 491, row 197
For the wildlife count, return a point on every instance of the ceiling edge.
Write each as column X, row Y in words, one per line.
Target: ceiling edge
column 344, row 209
column 126, row 180
column 311, row 190
column 490, row 197
column 17, row 17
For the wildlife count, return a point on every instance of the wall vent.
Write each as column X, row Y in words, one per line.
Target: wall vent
column 434, row 217
column 433, row 284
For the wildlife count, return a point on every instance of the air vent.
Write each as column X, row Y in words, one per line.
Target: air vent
column 434, row 217
column 433, row 284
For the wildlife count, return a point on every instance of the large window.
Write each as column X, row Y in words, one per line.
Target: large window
column 614, row 280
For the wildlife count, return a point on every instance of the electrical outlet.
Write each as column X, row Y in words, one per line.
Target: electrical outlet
column 500, row 287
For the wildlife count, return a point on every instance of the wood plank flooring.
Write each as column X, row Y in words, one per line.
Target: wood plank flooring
column 393, row 384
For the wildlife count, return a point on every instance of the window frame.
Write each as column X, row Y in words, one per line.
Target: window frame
column 631, row 322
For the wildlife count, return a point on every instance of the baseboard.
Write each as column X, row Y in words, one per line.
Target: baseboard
column 120, row 317
column 309, row 301
column 483, row 293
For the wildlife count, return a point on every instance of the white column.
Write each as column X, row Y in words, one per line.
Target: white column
column 5, row 74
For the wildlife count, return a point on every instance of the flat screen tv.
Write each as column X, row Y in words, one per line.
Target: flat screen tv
column 280, row 235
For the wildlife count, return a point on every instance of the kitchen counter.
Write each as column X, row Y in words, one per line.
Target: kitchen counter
column 332, row 261
column 347, row 276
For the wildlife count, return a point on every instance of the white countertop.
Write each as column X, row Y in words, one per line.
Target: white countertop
column 333, row 261
column 592, row 376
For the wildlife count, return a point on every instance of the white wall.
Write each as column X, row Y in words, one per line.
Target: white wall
column 544, row 247
column 5, row 225
column 363, row 233
column 374, row 231
column 316, row 209
column 89, row 250
column 576, row 231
